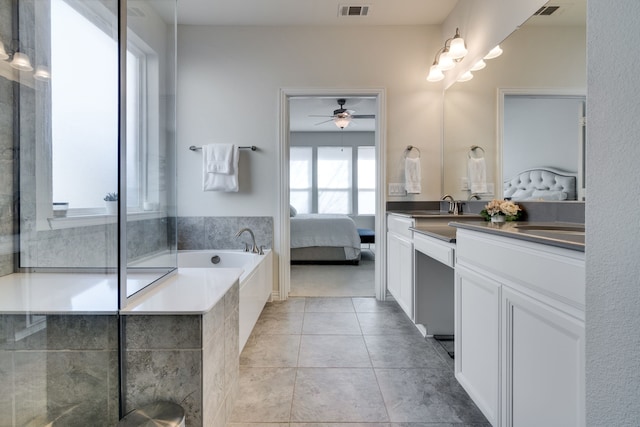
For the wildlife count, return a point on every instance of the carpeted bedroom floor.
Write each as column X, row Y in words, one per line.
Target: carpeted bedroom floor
column 335, row 280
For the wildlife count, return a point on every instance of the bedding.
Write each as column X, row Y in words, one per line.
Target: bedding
column 541, row 184
column 324, row 237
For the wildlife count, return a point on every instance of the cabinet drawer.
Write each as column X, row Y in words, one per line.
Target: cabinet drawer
column 400, row 225
column 434, row 248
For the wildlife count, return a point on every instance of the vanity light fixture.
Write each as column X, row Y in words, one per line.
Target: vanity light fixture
column 494, row 53
column 478, row 66
column 3, row 53
column 465, row 77
column 21, row 62
column 42, row 73
column 454, row 50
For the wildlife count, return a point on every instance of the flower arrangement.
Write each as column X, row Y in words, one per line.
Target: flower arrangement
column 111, row 197
column 506, row 208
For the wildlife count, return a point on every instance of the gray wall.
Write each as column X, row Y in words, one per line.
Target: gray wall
column 613, row 214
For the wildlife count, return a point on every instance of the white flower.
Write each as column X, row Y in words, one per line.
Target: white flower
column 502, row 207
column 509, row 208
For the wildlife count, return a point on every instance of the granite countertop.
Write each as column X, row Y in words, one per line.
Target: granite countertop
column 437, row 230
column 560, row 234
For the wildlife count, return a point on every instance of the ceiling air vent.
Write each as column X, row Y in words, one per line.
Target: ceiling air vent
column 546, row 10
column 354, row 10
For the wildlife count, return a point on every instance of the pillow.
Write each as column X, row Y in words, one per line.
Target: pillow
column 292, row 211
column 549, row 195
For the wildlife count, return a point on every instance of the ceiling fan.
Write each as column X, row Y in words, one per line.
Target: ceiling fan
column 342, row 117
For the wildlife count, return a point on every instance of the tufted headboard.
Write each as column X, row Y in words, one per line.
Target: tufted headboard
column 541, row 184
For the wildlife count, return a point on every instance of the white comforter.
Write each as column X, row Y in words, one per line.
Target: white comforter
column 308, row 230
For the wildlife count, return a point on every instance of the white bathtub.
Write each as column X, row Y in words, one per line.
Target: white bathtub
column 255, row 282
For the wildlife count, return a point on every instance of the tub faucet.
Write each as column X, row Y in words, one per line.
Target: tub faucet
column 254, row 248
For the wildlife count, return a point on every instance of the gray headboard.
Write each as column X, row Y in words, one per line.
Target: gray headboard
column 541, row 184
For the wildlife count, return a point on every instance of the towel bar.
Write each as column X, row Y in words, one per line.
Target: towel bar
column 252, row 148
column 407, row 151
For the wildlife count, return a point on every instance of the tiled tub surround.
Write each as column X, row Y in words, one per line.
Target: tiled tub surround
column 217, row 232
column 59, row 369
column 189, row 359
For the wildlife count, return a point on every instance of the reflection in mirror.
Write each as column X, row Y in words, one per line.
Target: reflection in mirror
column 546, row 55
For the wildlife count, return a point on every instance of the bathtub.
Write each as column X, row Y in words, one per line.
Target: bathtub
column 256, row 282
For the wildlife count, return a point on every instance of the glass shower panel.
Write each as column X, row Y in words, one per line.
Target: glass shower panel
column 150, row 141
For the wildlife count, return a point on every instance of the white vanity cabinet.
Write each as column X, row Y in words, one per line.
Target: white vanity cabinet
column 400, row 261
column 519, row 328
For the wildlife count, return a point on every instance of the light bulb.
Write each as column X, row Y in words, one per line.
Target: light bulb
column 494, row 53
column 435, row 74
column 457, row 50
column 465, row 77
column 42, row 73
column 445, row 62
column 479, row 65
column 21, row 62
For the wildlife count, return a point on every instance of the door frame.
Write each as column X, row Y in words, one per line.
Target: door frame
column 283, row 231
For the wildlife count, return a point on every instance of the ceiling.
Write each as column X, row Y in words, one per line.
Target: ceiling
column 311, row 12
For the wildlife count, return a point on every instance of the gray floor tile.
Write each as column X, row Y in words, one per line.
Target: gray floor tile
column 329, row 305
column 385, row 323
column 275, row 351
column 291, row 305
column 372, row 305
column 331, row 324
column 279, row 323
column 264, row 395
column 426, row 395
column 337, row 395
column 333, row 351
column 402, row 351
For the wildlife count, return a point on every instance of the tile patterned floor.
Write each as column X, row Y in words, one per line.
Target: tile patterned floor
column 346, row 362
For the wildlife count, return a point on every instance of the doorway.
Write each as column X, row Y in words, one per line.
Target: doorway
column 304, row 193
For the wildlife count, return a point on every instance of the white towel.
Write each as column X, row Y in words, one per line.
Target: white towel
column 218, row 157
column 477, row 175
column 412, row 175
column 213, row 181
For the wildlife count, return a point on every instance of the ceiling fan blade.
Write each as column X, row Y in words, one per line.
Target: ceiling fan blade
column 364, row 116
column 317, row 115
column 326, row 121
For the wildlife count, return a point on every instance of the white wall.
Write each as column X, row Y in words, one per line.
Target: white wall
column 613, row 214
column 534, row 57
column 228, row 82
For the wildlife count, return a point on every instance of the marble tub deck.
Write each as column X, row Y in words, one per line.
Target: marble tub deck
column 347, row 360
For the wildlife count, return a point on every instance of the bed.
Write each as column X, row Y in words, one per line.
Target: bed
column 324, row 239
column 542, row 183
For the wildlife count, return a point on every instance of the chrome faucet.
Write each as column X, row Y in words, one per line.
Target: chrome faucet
column 254, row 248
column 452, row 202
column 473, row 196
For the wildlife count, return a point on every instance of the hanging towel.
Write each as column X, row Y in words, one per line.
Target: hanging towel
column 412, row 175
column 218, row 158
column 477, row 174
column 217, row 181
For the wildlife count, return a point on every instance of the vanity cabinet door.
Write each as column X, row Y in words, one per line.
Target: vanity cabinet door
column 400, row 271
column 477, row 334
column 543, row 364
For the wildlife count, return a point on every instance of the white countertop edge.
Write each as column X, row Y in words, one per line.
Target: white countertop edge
column 189, row 291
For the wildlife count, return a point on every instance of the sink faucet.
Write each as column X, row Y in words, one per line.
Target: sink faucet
column 473, row 196
column 452, row 202
column 254, row 248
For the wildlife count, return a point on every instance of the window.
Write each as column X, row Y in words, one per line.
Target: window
column 330, row 179
column 84, row 110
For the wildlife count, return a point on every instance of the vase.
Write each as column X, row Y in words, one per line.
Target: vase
column 498, row 218
column 112, row 207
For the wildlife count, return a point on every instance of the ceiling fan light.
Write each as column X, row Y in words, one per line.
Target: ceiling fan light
column 465, row 77
column 342, row 121
column 435, row 74
column 494, row 53
column 21, row 62
column 445, row 62
column 457, row 49
column 479, row 65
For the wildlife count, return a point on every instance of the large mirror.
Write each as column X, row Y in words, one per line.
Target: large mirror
column 504, row 113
